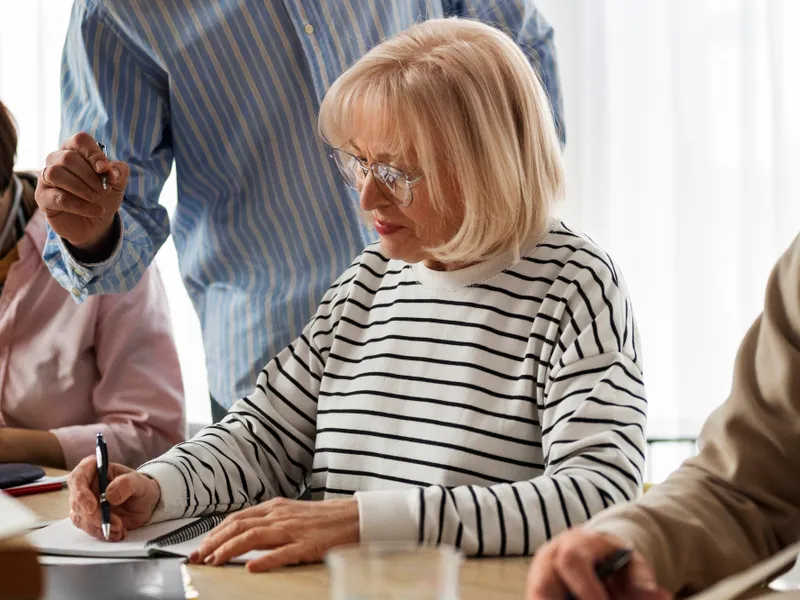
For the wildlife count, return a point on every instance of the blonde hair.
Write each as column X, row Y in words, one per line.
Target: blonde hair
column 461, row 100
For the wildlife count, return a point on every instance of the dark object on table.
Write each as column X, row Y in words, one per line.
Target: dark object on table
column 12, row 474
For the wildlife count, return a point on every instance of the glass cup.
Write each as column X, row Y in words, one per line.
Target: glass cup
column 394, row 571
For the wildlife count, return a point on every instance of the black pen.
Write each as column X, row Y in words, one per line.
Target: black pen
column 101, row 453
column 104, row 176
column 612, row 563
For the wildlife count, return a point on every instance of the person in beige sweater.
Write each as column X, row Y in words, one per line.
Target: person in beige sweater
column 733, row 505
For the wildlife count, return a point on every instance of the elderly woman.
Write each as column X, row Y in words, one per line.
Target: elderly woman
column 472, row 379
column 70, row 371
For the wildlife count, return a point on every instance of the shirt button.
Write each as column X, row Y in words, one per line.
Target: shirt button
column 76, row 292
column 309, row 29
column 80, row 272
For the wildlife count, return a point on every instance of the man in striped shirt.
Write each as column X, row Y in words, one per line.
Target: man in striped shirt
column 229, row 91
column 474, row 379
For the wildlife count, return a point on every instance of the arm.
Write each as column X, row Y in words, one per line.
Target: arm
column 592, row 416
column 533, row 33
column 138, row 400
column 30, row 446
column 115, row 91
column 736, row 503
column 264, row 448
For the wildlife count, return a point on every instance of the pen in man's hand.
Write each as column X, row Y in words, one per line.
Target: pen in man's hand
column 104, row 176
column 612, row 563
column 101, row 453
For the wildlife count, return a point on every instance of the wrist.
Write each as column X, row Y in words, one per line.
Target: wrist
column 171, row 503
column 99, row 249
column 155, row 487
column 352, row 517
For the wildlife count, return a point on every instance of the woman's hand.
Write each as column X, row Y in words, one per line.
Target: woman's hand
column 133, row 498
column 567, row 564
column 70, row 192
column 297, row 531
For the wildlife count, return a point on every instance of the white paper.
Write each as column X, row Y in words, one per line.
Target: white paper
column 763, row 572
column 41, row 524
column 186, row 548
column 64, row 539
column 15, row 517
column 789, row 580
column 48, row 560
column 41, row 481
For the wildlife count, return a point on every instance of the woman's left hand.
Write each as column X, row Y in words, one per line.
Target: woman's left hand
column 297, row 531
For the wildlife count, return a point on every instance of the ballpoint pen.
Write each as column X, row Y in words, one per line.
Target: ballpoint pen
column 612, row 563
column 101, row 453
column 104, row 176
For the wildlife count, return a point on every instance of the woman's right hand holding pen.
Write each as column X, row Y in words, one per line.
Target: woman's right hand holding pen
column 132, row 495
column 70, row 193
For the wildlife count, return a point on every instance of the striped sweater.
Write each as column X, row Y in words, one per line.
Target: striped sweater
column 488, row 408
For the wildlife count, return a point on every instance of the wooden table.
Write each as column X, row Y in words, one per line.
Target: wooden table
column 494, row 578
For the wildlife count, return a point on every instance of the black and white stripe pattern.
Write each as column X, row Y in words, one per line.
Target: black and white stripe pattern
column 488, row 408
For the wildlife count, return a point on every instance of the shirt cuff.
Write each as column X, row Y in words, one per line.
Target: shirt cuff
column 614, row 521
column 82, row 274
column 388, row 516
column 75, row 444
column 172, row 504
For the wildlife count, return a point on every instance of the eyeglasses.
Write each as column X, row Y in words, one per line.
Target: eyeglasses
column 393, row 183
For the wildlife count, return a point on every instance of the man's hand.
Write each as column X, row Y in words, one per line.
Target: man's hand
column 133, row 497
column 296, row 531
column 70, row 193
column 567, row 564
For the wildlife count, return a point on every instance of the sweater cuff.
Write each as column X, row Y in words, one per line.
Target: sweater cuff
column 172, row 504
column 388, row 516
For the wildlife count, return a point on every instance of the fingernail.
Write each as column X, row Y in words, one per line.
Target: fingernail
column 649, row 586
column 101, row 165
column 100, row 211
column 209, row 559
column 115, row 172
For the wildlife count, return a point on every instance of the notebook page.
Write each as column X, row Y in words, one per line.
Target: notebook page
column 15, row 517
column 63, row 538
column 186, row 548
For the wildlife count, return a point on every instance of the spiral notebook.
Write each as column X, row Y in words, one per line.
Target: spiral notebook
column 180, row 537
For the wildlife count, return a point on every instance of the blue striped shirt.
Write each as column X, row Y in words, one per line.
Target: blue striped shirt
column 229, row 91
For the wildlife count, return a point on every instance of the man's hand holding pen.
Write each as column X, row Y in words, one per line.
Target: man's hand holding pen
column 71, row 194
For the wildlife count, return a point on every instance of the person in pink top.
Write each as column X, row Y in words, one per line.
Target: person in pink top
column 70, row 371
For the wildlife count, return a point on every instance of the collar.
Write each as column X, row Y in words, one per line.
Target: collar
column 36, row 229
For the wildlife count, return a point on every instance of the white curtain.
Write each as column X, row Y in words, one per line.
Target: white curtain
column 683, row 158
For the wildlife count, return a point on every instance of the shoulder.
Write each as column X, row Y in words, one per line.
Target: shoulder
column 587, row 295
column 584, row 285
column 568, row 256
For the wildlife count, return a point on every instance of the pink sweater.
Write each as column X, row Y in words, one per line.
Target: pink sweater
column 106, row 366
